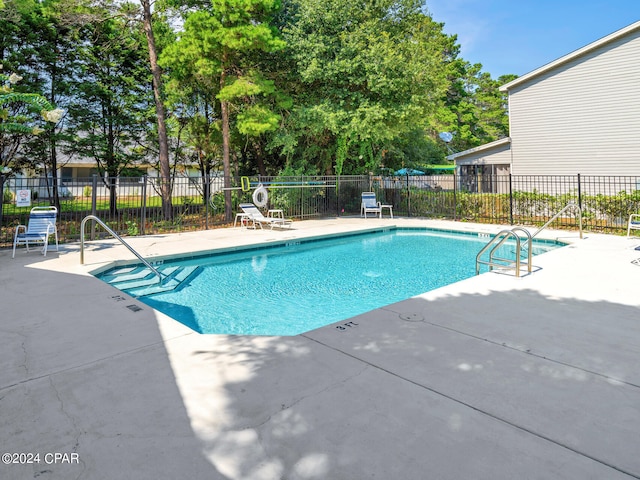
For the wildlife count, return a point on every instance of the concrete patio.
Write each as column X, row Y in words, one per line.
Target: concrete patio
column 495, row 377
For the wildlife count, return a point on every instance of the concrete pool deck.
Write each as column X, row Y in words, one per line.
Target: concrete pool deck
column 495, row 377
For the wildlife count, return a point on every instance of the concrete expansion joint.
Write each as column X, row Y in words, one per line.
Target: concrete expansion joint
column 484, row 412
column 84, row 365
column 528, row 351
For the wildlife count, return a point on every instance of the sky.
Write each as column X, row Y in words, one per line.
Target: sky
column 518, row 36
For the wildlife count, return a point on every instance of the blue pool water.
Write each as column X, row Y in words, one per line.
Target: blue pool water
column 294, row 288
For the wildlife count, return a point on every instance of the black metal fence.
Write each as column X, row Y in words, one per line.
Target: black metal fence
column 132, row 206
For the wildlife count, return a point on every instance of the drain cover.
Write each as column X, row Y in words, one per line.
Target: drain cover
column 411, row 317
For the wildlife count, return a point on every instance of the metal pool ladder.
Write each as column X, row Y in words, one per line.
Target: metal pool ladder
column 117, row 237
column 497, row 242
column 504, row 235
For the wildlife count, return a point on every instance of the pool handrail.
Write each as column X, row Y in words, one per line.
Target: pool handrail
column 529, row 245
column 117, row 237
column 567, row 207
column 502, row 237
column 497, row 242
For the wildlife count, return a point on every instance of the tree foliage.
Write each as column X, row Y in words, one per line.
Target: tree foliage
column 250, row 86
column 364, row 75
column 217, row 43
column 110, row 114
column 474, row 108
column 21, row 115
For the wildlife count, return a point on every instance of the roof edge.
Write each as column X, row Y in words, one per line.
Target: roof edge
column 571, row 56
column 486, row 146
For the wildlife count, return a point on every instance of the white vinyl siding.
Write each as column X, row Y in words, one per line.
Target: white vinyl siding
column 582, row 116
column 486, row 168
column 487, row 157
column 490, row 154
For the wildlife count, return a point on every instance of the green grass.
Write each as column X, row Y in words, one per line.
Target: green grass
column 84, row 205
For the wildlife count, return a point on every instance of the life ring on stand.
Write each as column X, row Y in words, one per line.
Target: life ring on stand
column 260, row 196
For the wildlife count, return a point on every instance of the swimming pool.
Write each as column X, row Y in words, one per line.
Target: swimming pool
column 298, row 286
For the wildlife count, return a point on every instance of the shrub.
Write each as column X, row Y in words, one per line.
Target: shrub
column 7, row 196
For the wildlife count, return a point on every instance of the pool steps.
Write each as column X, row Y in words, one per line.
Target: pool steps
column 139, row 280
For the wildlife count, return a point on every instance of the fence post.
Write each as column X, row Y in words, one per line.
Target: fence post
column 579, row 192
column 408, row 197
column 337, row 195
column 510, row 200
column 143, row 213
column 94, row 208
column 301, row 180
column 207, row 194
column 2, row 180
column 455, row 196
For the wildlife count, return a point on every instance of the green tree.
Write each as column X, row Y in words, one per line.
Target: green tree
column 492, row 105
column 158, row 95
column 50, row 30
column 364, row 75
column 474, row 108
column 21, row 116
column 110, row 112
column 217, row 44
column 12, row 32
column 194, row 110
column 195, row 119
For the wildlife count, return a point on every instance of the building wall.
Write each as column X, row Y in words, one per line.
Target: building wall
column 500, row 154
column 484, row 169
column 580, row 117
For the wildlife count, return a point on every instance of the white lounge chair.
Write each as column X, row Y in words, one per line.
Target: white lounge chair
column 634, row 223
column 371, row 205
column 41, row 225
column 257, row 218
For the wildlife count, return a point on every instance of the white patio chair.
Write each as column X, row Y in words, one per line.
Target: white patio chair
column 634, row 223
column 41, row 225
column 371, row 205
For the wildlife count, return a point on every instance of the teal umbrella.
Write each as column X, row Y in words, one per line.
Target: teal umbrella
column 408, row 171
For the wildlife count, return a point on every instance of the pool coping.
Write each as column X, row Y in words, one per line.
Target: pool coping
column 205, row 255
